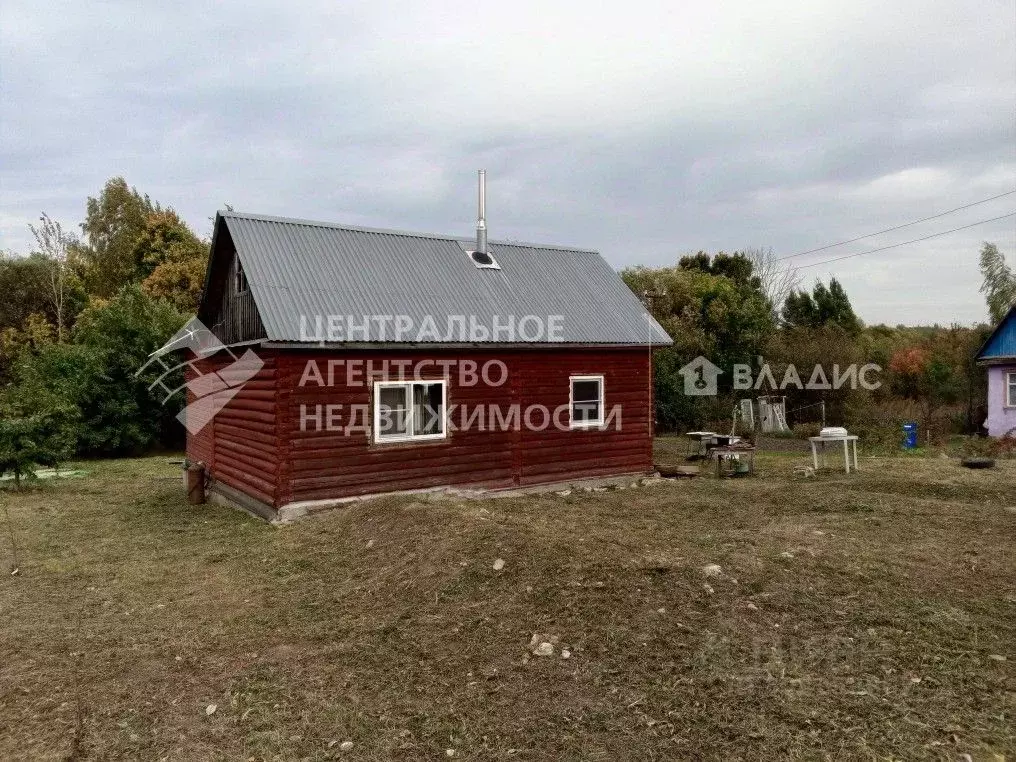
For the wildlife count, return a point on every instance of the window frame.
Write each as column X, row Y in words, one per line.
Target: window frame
column 587, row 424
column 1010, row 387
column 240, row 285
column 378, row 438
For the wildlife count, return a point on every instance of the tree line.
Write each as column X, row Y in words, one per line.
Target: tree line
column 742, row 309
column 84, row 309
column 82, row 313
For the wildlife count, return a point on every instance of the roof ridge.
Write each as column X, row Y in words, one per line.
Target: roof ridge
column 391, row 231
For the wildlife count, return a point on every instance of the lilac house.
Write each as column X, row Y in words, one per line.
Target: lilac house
column 999, row 355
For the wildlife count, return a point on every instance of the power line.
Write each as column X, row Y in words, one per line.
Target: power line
column 904, row 243
column 897, row 227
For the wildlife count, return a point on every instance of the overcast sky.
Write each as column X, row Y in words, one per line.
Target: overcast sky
column 642, row 129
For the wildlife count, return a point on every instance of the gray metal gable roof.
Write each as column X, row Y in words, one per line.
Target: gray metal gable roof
column 312, row 269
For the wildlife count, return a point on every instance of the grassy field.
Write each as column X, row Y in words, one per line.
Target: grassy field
column 863, row 617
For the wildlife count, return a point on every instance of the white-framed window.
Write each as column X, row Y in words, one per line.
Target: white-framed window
column 1010, row 389
column 585, row 401
column 409, row 411
column 240, row 279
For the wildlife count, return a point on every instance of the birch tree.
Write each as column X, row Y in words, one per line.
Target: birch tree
column 53, row 244
column 778, row 281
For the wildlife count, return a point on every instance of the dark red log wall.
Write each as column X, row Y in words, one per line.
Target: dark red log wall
column 239, row 446
column 257, row 444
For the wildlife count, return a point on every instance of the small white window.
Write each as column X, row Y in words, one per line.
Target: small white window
column 240, row 282
column 586, row 401
column 409, row 411
column 1010, row 396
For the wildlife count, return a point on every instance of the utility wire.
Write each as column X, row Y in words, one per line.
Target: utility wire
column 805, row 407
column 904, row 243
column 896, row 227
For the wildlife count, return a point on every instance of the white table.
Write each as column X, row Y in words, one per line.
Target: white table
column 702, row 440
column 848, row 441
column 707, row 440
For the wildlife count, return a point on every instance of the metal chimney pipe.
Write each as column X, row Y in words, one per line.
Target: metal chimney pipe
column 481, row 221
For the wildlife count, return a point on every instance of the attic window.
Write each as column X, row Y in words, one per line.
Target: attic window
column 484, row 260
column 240, row 281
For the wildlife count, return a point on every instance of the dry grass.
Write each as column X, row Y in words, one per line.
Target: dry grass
column 856, row 617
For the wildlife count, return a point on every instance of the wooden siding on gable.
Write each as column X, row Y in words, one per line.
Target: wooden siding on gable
column 1002, row 343
column 237, row 319
column 231, row 315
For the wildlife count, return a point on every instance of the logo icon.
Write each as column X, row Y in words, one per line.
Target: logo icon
column 700, row 378
column 213, row 389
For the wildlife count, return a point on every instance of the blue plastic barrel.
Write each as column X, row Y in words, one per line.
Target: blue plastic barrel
column 909, row 435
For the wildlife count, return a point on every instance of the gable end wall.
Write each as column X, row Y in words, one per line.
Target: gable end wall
column 233, row 317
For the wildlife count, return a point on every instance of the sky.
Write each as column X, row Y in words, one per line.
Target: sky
column 645, row 130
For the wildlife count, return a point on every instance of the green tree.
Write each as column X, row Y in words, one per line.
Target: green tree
column 829, row 347
column 999, row 282
column 737, row 267
column 799, row 310
column 834, row 307
column 36, row 429
column 96, row 374
column 172, row 259
column 823, row 307
column 27, row 288
column 123, row 415
column 722, row 315
column 23, row 282
column 15, row 343
column 114, row 222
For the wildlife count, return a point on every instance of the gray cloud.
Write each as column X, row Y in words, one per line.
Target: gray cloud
column 645, row 131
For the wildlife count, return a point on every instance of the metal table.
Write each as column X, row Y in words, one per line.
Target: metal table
column 849, row 441
column 709, row 440
column 729, row 460
column 702, row 440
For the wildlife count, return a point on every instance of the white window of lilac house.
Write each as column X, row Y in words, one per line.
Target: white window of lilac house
column 1010, row 389
column 585, row 401
column 409, row 411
